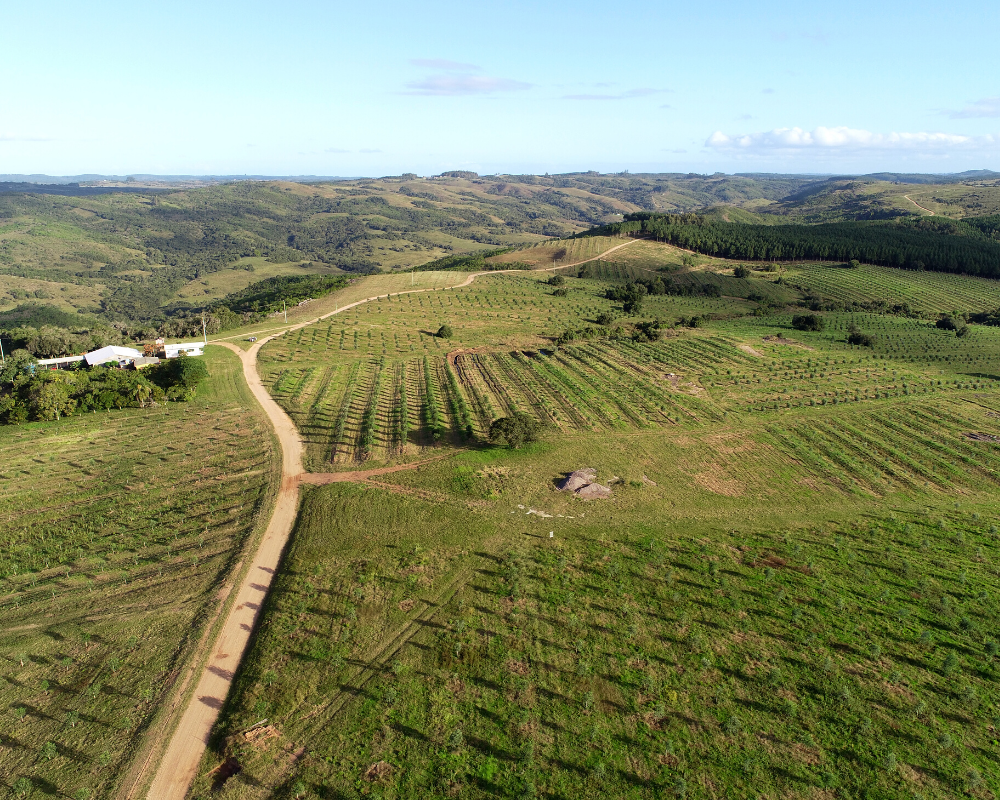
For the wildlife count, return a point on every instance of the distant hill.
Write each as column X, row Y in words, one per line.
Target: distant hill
column 136, row 253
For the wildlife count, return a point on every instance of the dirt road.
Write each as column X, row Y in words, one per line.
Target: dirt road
column 277, row 331
column 180, row 761
column 929, row 212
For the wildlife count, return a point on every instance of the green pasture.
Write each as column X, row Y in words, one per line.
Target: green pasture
column 118, row 534
column 791, row 593
column 695, row 636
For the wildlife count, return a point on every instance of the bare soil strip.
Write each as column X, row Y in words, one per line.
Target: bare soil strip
column 180, row 761
column 929, row 212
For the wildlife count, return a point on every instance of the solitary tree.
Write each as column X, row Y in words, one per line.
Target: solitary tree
column 445, row 332
column 807, row 322
column 515, row 430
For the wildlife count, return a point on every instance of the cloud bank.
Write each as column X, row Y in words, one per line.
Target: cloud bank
column 458, row 85
column 457, row 79
column 843, row 138
column 987, row 107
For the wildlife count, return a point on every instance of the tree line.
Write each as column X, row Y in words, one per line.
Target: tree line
column 968, row 247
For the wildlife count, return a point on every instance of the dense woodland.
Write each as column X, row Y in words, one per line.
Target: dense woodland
column 968, row 247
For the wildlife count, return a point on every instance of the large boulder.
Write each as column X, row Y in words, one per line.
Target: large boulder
column 579, row 479
column 593, row 491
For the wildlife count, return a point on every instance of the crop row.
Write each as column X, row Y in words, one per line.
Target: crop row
column 898, row 447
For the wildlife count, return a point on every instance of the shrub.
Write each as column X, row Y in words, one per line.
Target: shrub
column 557, row 280
column 860, row 339
column 853, row 264
column 946, row 323
column 647, row 331
column 807, row 322
column 606, row 318
column 560, row 292
column 445, row 332
column 741, row 272
column 516, row 430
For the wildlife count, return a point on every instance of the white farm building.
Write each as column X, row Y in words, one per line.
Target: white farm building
column 120, row 355
column 187, row 348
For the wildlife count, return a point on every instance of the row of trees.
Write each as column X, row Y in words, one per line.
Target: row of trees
column 968, row 247
column 27, row 395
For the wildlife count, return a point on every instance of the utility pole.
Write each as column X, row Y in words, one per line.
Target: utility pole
column 285, row 310
column 204, row 330
column 3, row 358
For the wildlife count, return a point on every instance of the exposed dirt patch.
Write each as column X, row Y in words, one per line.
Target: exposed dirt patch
column 678, row 384
column 406, row 605
column 783, row 340
column 982, row 437
column 714, row 481
column 379, row 771
column 519, row 668
column 777, row 562
column 226, row 770
column 261, row 734
column 750, row 351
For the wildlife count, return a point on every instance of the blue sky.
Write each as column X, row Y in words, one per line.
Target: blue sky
column 330, row 88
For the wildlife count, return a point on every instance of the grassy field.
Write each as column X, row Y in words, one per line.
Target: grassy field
column 120, row 533
column 791, row 593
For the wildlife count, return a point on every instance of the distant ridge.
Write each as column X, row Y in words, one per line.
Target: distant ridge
column 147, row 178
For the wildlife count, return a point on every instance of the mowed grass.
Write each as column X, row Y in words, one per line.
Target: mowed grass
column 792, row 592
column 359, row 289
column 928, row 293
column 237, row 276
column 118, row 534
column 427, row 638
column 560, row 251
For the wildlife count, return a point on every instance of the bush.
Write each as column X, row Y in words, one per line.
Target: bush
column 856, row 337
column 557, row 280
column 516, row 430
column 183, row 371
column 647, row 331
column 560, row 292
column 741, row 272
column 607, row 318
column 946, row 323
column 445, row 332
column 853, row 264
column 807, row 322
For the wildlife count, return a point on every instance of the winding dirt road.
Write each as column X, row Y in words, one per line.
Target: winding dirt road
column 180, row 761
column 929, row 212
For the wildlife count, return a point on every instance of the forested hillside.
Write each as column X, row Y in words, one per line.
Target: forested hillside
column 970, row 247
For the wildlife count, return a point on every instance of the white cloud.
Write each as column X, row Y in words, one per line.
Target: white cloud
column 987, row 107
column 842, row 139
column 336, row 150
column 369, row 150
column 626, row 95
column 445, row 64
column 457, row 85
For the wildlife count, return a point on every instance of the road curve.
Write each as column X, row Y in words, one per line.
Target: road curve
column 179, row 764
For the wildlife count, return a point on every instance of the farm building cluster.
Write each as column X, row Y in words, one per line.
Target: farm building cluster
column 126, row 357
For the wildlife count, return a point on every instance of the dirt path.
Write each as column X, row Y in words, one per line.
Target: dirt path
column 272, row 332
column 179, row 764
column 929, row 212
column 180, row 761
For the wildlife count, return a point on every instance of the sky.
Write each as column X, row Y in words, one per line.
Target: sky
column 304, row 87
